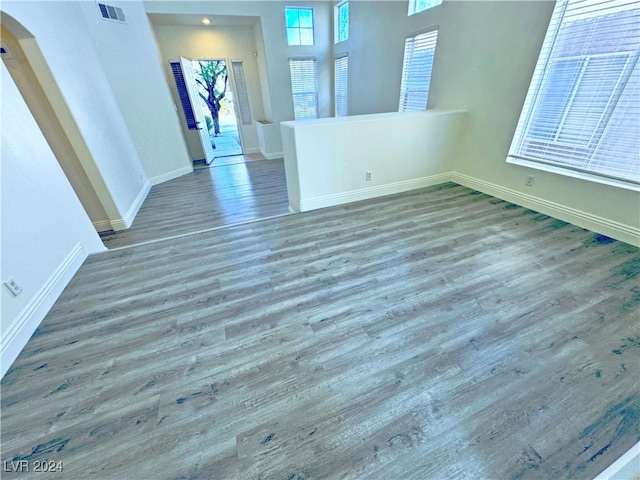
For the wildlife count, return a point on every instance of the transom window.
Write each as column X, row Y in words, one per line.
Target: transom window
column 299, row 25
column 416, row 6
column 582, row 111
column 341, row 22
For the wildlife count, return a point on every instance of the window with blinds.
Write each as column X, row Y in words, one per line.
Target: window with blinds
column 341, row 76
column 304, row 86
column 181, row 86
column 419, row 51
column 582, row 111
column 242, row 99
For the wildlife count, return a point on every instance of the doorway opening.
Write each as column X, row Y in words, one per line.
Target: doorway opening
column 218, row 106
column 39, row 89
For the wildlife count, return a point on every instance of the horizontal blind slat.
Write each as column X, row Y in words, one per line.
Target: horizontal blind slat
column 583, row 104
column 340, row 84
column 241, row 89
column 304, row 87
column 418, row 58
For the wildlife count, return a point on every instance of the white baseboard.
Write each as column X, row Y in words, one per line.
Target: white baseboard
column 103, row 226
column 270, row 156
column 165, row 177
column 17, row 336
column 626, row 467
column 127, row 221
column 371, row 192
column 604, row 226
column 625, row 233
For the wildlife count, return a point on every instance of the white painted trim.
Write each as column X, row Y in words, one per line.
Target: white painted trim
column 127, row 221
column 627, row 467
column 17, row 336
column 119, row 224
column 270, row 156
column 165, row 177
column 250, row 151
column 610, row 228
column 103, row 226
column 590, row 177
column 371, row 192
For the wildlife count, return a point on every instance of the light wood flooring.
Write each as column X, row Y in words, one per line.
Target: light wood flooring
column 435, row 334
column 231, row 190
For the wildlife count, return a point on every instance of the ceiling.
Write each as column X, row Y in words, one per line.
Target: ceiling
column 196, row 20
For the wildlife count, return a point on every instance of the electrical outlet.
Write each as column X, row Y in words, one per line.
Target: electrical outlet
column 367, row 176
column 13, row 286
column 529, row 181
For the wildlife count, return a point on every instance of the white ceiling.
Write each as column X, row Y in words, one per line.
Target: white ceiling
column 196, row 20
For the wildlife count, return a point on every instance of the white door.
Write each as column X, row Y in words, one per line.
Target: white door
column 196, row 106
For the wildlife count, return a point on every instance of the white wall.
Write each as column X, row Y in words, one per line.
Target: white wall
column 46, row 234
column 130, row 62
column 326, row 160
column 65, row 40
column 377, row 30
column 485, row 57
column 41, row 106
column 484, row 60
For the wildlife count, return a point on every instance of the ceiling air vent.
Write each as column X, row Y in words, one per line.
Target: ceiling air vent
column 111, row 13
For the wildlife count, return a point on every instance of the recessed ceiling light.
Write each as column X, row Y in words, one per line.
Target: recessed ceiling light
column 206, row 21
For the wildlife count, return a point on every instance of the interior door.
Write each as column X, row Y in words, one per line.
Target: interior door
column 196, row 106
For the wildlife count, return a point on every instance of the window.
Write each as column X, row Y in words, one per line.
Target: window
column 304, row 86
column 341, row 75
column 181, row 85
column 416, row 70
column 341, row 22
column 241, row 90
column 299, row 25
column 582, row 113
column 416, row 6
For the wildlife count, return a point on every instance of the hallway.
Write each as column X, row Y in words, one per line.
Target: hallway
column 231, row 190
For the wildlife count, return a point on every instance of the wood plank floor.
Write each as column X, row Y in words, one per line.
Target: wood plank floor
column 227, row 192
column 440, row 333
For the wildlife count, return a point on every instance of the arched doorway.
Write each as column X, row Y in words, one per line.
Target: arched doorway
column 29, row 70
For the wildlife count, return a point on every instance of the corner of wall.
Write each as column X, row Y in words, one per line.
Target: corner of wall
column 165, row 177
column 26, row 324
column 129, row 217
column 625, row 233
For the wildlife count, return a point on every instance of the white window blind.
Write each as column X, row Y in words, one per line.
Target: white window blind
column 181, row 86
column 419, row 51
column 582, row 111
column 241, row 90
column 341, row 75
column 304, row 86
